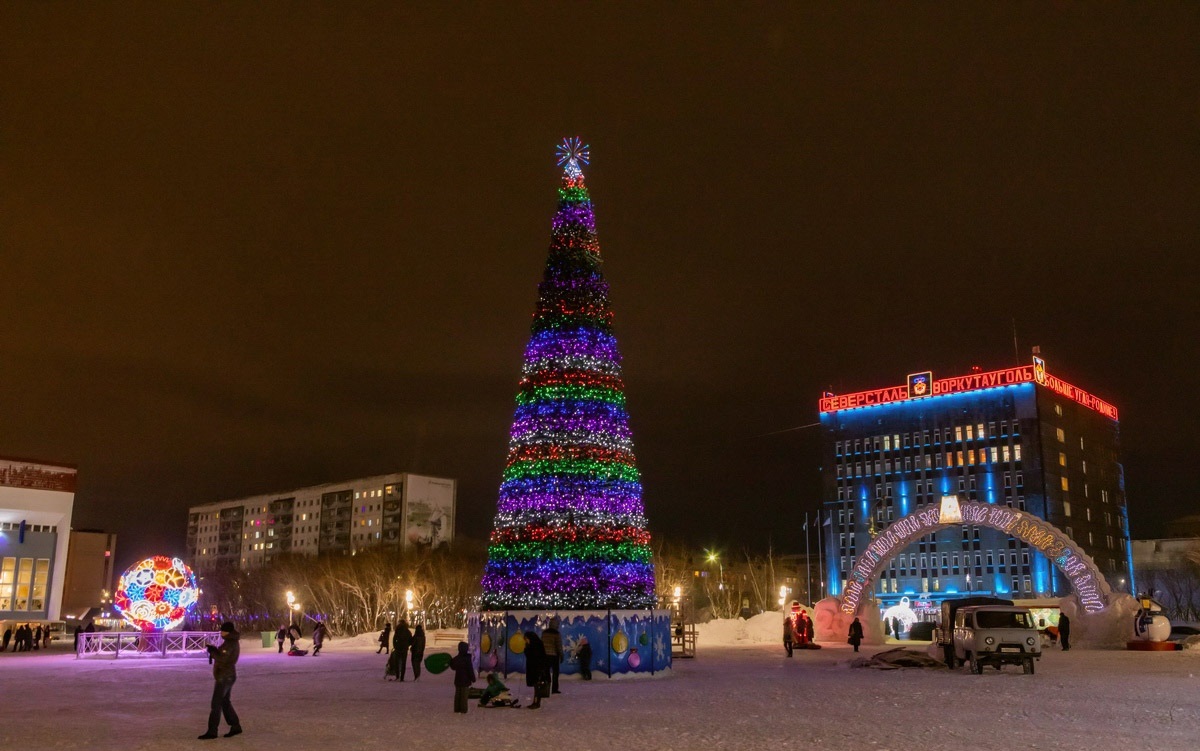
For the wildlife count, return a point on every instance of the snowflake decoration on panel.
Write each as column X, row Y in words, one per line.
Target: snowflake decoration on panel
column 156, row 593
column 572, row 153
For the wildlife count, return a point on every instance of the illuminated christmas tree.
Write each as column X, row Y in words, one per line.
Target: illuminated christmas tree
column 570, row 528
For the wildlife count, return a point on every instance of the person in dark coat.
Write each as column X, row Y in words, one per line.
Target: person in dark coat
column 318, row 637
column 583, row 653
column 552, row 642
column 37, row 638
column 1064, row 631
column 280, row 635
column 78, row 631
column 385, row 639
column 788, row 635
column 418, row 650
column 464, row 676
column 401, row 641
column 224, row 659
column 7, row 638
column 856, row 634
column 293, row 633
column 536, row 669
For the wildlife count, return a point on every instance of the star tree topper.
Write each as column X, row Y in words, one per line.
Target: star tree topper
column 572, row 153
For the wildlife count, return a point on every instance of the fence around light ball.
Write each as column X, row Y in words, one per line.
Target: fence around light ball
column 156, row 593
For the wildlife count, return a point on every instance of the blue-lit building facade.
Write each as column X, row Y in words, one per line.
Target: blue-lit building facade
column 1018, row 437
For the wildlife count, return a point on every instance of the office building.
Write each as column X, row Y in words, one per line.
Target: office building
column 36, row 501
column 1020, row 437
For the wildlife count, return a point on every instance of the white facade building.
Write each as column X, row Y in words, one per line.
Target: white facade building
column 36, row 501
column 399, row 511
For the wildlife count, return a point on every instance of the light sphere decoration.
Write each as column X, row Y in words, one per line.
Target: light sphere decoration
column 155, row 594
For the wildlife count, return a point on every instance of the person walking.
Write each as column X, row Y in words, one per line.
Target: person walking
column 552, row 642
column 418, row 650
column 385, row 639
column 536, row 669
column 856, row 634
column 464, row 676
column 78, row 631
column 318, row 637
column 280, row 635
column 1064, row 631
column 583, row 653
column 293, row 633
column 401, row 641
column 788, row 634
column 224, row 660
column 37, row 638
column 7, row 638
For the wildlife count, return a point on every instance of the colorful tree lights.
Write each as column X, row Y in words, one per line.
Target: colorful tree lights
column 155, row 594
column 570, row 530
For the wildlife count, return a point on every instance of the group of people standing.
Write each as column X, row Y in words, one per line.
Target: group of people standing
column 403, row 642
column 798, row 632
column 292, row 632
column 25, row 638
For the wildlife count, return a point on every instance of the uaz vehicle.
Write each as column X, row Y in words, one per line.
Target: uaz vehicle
column 996, row 635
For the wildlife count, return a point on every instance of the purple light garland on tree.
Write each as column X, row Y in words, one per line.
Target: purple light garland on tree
column 570, row 528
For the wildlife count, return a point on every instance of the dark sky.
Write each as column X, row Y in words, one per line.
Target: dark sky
column 245, row 248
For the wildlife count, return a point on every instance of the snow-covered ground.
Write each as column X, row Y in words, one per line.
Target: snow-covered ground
column 740, row 692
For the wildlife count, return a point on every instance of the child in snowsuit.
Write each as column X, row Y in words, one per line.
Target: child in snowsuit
column 464, row 676
column 496, row 694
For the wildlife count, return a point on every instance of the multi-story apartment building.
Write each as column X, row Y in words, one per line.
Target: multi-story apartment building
column 392, row 511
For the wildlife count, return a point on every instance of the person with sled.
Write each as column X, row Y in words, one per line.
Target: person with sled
column 496, row 694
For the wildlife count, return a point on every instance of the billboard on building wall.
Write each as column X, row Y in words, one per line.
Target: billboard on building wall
column 16, row 473
column 428, row 511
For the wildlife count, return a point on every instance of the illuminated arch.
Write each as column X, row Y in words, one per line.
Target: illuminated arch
column 1079, row 568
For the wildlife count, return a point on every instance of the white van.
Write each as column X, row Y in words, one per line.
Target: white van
column 996, row 635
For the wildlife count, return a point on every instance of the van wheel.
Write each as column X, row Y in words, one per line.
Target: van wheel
column 1029, row 666
column 976, row 665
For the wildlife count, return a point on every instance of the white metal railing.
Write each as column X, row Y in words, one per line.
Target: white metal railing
column 117, row 644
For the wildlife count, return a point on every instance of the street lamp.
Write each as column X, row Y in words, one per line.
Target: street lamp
column 293, row 607
column 714, row 557
column 408, row 601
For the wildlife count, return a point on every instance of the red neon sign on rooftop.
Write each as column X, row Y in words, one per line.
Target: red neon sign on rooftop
column 973, row 382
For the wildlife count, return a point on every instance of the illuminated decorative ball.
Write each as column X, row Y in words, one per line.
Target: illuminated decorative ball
column 485, row 643
column 644, row 639
column 634, row 659
column 620, row 642
column 490, row 661
column 155, row 594
column 516, row 644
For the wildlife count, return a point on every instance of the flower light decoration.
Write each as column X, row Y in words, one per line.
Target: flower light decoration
column 155, row 594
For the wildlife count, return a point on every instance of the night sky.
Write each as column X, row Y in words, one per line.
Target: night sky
column 252, row 248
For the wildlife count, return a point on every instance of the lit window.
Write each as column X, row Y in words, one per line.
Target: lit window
column 1066, row 485
column 958, row 432
column 1058, row 409
column 1017, row 453
column 1062, row 459
column 1067, row 512
column 1062, row 437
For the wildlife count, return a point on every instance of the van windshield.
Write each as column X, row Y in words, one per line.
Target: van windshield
column 1002, row 619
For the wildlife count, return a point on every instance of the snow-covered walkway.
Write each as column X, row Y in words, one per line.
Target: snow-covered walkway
column 731, row 697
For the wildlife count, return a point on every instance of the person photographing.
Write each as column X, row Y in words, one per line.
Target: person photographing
column 224, row 659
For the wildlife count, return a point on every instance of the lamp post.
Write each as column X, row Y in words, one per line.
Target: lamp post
column 293, row 607
column 713, row 557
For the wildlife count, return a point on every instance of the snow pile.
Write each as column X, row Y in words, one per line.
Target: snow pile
column 1111, row 628
column 1192, row 643
column 764, row 628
